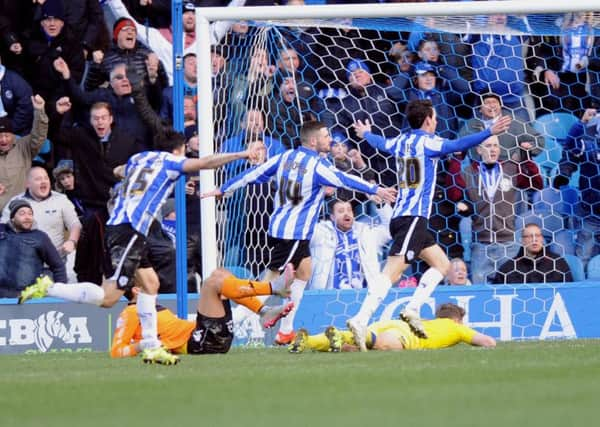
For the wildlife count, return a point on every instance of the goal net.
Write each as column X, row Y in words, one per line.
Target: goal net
column 269, row 75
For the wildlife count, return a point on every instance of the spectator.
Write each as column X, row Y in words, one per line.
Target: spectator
column 404, row 60
column 364, row 100
column 27, row 249
column 16, row 21
column 51, row 41
column 534, row 263
column 521, row 142
column 96, row 149
column 425, row 87
column 562, row 64
column 54, row 214
column 16, row 154
column 350, row 160
column 126, row 50
column 498, row 65
column 294, row 102
column 64, row 182
column 345, row 252
column 119, row 96
column 160, row 38
column 15, row 100
column 246, row 233
column 86, row 21
column 190, row 87
column 492, row 194
column 582, row 152
column 458, row 274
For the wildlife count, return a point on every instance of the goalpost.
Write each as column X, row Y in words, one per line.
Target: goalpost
column 226, row 226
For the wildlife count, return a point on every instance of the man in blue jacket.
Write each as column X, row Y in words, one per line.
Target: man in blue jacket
column 24, row 251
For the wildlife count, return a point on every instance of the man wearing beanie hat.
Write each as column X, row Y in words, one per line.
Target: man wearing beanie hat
column 126, row 50
column 160, row 40
column 16, row 155
column 28, row 248
column 50, row 40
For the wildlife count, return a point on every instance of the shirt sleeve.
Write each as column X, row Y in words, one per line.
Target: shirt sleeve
column 123, row 344
column 440, row 147
column 466, row 333
column 258, row 175
column 333, row 177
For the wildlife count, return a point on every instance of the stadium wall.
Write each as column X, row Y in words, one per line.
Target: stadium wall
column 504, row 312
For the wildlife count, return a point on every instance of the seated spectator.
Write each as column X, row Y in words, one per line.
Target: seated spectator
column 16, row 154
column 345, row 252
column 28, row 250
column 582, row 153
column 458, row 275
column 15, row 101
column 534, row 263
column 51, row 41
column 492, row 192
column 54, row 214
column 520, row 142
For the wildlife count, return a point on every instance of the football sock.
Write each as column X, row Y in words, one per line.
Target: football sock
column 82, row 292
column 287, row 323
column 233, row 287
column 376, row 293
column 146, row 309
column 252, row 303
column 427, row 284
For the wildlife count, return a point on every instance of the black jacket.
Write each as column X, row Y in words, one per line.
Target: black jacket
column 547, row 267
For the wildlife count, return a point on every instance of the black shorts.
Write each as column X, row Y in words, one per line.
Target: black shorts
column 212, row 335
column 284, row 251
column 128, row 251
column 410, row 236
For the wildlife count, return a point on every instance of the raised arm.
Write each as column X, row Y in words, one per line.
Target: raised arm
column 39, row 130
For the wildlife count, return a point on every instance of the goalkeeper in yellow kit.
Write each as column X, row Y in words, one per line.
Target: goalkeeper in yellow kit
column 445, row 330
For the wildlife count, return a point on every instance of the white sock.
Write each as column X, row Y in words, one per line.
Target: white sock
column 376, row 293
column 146, row 309
column 287, row 323
column 427, row 284
column 82, row 292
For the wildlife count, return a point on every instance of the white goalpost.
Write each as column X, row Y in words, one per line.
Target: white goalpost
column 318, row 15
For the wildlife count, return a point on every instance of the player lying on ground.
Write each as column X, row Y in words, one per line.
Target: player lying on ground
column 149, row 179
column 212, row 332
column 445, row 330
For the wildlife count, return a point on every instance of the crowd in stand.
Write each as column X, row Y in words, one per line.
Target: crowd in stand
column 85, row 84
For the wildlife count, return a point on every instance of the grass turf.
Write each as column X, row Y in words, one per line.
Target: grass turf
column 517, row 384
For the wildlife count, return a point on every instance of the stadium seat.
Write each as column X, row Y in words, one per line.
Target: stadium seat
column 563, row 243
column 554, row 127
column 576, row 267
column 593, row 268
column 240, row 272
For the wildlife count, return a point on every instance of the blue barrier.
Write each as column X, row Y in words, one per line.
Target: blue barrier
column 505, row 312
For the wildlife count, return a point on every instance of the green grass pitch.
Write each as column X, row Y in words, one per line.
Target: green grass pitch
column 517, row 384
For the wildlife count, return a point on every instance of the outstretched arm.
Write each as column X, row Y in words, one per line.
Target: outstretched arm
column 463, row 144
column 482, row 340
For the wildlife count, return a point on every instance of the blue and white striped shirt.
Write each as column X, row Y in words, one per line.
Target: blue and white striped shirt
column 417, row 154
column 300, row 175
column 149, row 180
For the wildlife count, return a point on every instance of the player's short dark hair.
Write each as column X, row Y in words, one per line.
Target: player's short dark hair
column 168, row 139
column 309, row 129
column 449, row 311
column 417, row 111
